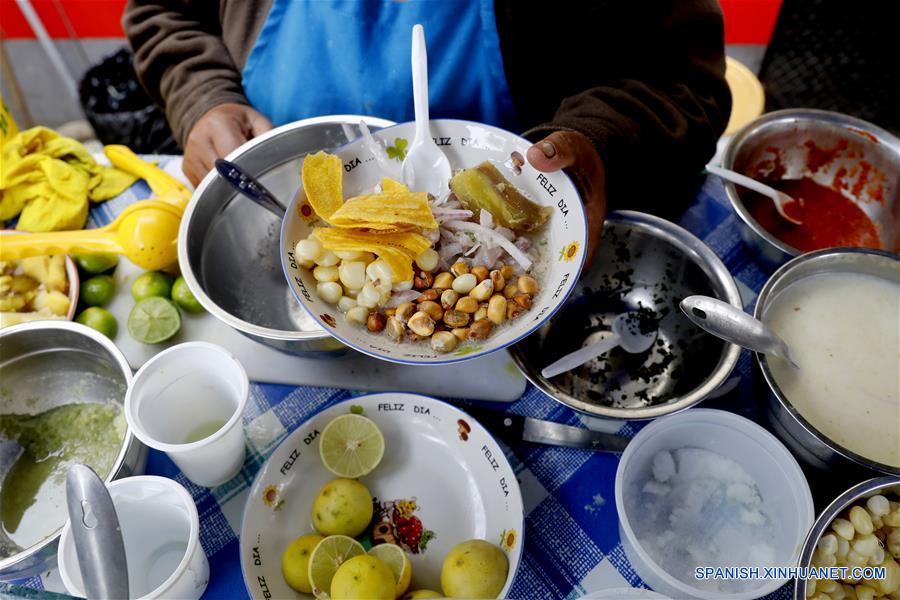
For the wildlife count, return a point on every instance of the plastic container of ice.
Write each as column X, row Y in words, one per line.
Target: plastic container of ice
column 721, row 462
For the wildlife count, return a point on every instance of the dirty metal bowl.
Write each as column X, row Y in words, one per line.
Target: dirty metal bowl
column 643, row 261
column 45, row 364
column 228, row 247
column 886, row 486
column 780, row 137
column 826, row 458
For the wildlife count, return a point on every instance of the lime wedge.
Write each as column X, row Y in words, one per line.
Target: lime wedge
column 326, row 557
column 351, row 446
column 395, row 557
column 154, row 320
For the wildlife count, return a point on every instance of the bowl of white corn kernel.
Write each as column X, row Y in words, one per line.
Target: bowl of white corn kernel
column 852, row 551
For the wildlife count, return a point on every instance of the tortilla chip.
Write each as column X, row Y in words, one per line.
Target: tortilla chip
column 322, row 177
column 392, row 185
column 389, row 208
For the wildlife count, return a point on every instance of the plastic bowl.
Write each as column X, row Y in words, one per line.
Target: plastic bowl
column 778, row 477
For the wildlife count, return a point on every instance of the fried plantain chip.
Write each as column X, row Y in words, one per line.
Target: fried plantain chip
column 394, row 209
column 392, row 185
column 322, row 177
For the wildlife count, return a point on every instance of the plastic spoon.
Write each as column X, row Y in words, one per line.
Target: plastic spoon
column 145, row 232
column 425, row 168
column 779, row 197
column 97, row 535
column 734, row 325
column 625, row 333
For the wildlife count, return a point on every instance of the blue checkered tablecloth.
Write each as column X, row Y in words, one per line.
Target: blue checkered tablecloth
column 571, row 530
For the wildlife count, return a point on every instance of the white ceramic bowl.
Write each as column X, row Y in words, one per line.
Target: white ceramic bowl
column 161, row 530
column 778, row 477
column 561, row 242
column 436, row 457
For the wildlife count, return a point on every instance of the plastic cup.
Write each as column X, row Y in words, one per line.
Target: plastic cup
column 187, row 401
column 161, row 530
column 778, row 477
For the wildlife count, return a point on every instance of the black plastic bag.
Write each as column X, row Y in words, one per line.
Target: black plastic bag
column 120, row 111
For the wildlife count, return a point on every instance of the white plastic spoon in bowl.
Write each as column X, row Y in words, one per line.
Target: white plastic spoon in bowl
column 778, row 197
column 625, row 333
column 425, row 168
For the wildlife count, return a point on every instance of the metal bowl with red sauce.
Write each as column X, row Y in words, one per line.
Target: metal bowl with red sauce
column 844, row 171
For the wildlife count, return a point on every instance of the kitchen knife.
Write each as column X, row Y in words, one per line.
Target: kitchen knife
column 517, row 428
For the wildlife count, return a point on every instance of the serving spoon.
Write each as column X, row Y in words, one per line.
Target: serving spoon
column 625, row 333
column 780, row 198
column 425, row 168
column 734, row 325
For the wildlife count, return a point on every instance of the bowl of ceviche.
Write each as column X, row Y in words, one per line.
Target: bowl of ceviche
column 412, row 278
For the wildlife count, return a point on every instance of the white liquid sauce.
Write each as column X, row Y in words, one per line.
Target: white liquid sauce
column 843, row 330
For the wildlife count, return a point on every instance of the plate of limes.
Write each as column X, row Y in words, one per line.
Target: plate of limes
column 384, row 496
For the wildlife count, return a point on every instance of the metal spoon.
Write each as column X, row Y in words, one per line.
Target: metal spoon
column 734, row 325
column 97, row 535
column 425, row 168
column 779, row 197
column 248, row 185
column 626, row 334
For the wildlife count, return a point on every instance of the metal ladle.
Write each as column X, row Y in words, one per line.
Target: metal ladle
column 734, row 325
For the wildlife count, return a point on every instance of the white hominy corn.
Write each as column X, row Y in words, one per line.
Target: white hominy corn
column 346, row 303
column 323, row 274
column 358, row 314
column 351, row 255
column 864, row 592
column 329, row 291
column 402, row 286
column 878, row 505
column 353, row 274
column 843, row 547
column 308, row 250
column 828, row 544
column 843, row 528
column 428, row 260
column 861, row 520
column 327, row 259
column 369, row 296
column 865, row 545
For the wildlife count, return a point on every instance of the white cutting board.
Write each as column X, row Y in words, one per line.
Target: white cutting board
column 493, row 377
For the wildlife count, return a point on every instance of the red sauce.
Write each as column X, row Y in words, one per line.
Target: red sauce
column 829, row 219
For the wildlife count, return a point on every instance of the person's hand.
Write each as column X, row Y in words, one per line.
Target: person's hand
column 222, row 129
column 574, row 151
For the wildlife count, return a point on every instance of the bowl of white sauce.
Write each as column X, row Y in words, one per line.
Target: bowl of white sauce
column 710, row 505
column 839, row 312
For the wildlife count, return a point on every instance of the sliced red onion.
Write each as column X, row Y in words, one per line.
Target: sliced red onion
column 473, row 250
column 486, row 219
column 507, row 233
column 493, row 236
column 398, row 298
column 523, row 244
column 432, row 235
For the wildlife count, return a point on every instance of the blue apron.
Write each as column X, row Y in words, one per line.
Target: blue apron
column 320, row 57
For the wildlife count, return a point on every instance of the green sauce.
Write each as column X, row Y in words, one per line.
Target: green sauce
column 32, row 495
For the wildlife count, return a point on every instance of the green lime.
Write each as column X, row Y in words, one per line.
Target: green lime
column 99, row 319
column 96, row 263
column 351, row 446
column 183, row 297
column 98, row 290
column 150, row 284
column 154, row 320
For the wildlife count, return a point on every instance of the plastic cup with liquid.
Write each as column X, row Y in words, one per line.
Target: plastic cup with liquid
column 187, row 401
column 161, row 531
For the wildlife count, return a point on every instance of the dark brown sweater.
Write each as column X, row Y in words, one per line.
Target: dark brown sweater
column 643, row 79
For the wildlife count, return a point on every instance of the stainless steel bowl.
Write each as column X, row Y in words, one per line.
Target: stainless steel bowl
column 46, row 364
column 807, row 443
column 889, row 486
column 752, row 151
column 648, row 262
column 228, row 246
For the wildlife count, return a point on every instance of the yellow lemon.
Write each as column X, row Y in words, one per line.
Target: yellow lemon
column 474, row 569
column 295, row 562
column 363, row 578
column 342, row 507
